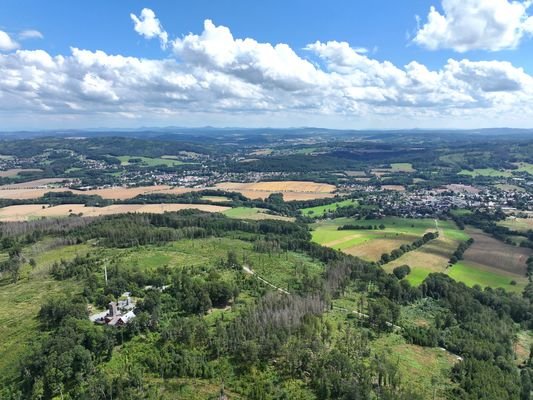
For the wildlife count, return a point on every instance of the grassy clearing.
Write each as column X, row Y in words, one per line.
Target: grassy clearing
column 253, row 213
column 523, row 346
column 490, row 172
column 423, row 363
column 278, row 268
column 148, row 162
column 319, row 211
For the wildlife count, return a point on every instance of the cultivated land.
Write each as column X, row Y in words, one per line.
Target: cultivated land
column 370, row 244
column 112, row 193
column 291, row 190
column 433, row 256
column 394, row 188
column 319, row 211
column 490, row 262
column 518, row 224
column 253, row 214
column 35, row 211
column 16, row 171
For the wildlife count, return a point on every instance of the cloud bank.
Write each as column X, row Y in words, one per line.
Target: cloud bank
column 239, row 79
column 476, row 25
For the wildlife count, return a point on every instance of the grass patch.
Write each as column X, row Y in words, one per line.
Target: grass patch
column 419, row 365
column 489, row 172
column 473, row 274
column 320, row 211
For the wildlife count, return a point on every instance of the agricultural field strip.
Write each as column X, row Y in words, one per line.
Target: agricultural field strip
column 27, row 212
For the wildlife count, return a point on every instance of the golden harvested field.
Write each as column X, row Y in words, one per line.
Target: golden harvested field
column 292, row 190
column 396, row 188
column 32, row 211
column 15, row 171
column 114, row 193
column 372, row 250
column 26, row 194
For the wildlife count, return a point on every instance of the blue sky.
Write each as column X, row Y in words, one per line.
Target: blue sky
column 491, row 72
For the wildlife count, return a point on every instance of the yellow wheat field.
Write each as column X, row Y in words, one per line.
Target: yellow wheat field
column 292, row 190
column 113, row 193
column 34, row 211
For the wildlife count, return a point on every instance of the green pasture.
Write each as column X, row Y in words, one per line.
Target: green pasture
column 320, row 211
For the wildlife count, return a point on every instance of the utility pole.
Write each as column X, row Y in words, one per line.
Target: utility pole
column 105, row 273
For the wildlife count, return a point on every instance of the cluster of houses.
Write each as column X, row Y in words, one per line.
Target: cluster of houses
column 119, row 313
column 430, row 203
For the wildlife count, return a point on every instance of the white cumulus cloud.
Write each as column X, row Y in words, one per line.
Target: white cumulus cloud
column 6, row 43
column 149, row 26
column 214, row 76
column 466, row 25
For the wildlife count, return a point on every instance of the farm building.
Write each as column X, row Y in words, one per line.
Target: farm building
column 118, row 313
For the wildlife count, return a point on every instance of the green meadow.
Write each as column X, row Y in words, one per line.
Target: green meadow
column 474, row 274
column 320, row 211
column 489, row 172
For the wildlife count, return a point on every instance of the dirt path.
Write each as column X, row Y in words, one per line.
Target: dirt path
column 252, row 272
